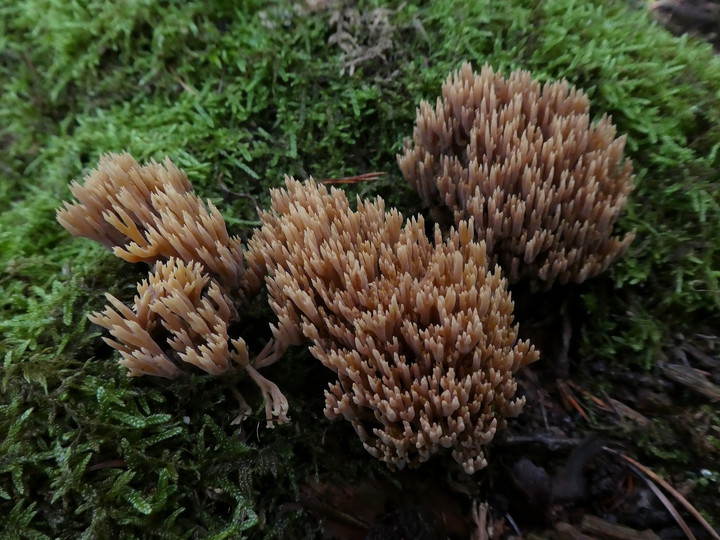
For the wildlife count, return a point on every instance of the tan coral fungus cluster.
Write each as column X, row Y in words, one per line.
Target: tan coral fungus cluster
column 420, row 334
column 195, row 313
column 148, row 213
column 543, row 185
column 182, row 312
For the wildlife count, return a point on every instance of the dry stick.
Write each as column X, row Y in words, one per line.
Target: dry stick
column 548, row 441
column 568, row 397
column 229, row 191
column 543, row 411
column 512, row 523
column 668, row 505
column 354, row 179
column 599, row 402
column 689, row 507
column 641, row 472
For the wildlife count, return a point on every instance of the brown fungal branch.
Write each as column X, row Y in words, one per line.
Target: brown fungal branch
column 118, row 184
column 544, row 185
column 179, row 317
column 182, row 312
column 419, row 333
column 176, row 299
column 149, row 213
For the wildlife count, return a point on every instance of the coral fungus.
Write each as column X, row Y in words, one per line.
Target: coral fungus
column 419, row 333
column 149, row 213
column 544, row 186
column 182, row 312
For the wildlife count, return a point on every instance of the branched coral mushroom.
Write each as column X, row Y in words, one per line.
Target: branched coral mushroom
column 148, row 213
column 172, row 300
column 180, row 316
column 544, row 186
column 420, row 334
column 182, row 312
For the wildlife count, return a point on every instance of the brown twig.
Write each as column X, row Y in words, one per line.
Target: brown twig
column 624, row 411
column 678, row 496
column 599, row 402
column 354, row 179
column 547, row 440
column 626, row 488
column 227, row 190
column 110, row 464
column 670, row 508
column 543, row 411
column 189, row 89
column 569, row 399
column 692, row 378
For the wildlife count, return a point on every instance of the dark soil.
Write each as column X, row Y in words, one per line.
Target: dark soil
column 576, row 464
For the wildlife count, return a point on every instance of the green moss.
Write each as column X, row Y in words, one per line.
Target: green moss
column 240, row 96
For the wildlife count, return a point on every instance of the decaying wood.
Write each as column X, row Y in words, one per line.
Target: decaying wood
column 628, row 412
column 693, row 378
column 599, row 528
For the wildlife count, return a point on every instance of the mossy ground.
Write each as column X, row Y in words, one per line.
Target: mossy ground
column 239, row 94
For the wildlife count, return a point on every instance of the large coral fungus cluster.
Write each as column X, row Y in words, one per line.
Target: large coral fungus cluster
column 543, row 185
column 182, row 312
column 419, row 333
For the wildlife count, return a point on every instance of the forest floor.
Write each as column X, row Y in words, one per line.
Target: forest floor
column 620, row 435
column 568, row 466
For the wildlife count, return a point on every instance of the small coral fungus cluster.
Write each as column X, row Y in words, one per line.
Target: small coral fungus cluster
column 182, row 312
column 418, row 331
